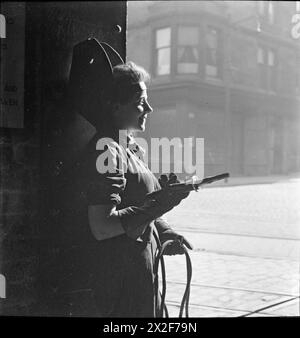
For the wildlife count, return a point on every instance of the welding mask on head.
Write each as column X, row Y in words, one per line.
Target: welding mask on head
column 91, row 78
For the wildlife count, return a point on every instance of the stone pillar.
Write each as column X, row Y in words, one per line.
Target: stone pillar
column 31, row 155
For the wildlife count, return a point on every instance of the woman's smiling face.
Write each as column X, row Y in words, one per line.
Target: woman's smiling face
column 133, row 115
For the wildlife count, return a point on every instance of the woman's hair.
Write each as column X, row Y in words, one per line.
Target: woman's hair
column 124, row 76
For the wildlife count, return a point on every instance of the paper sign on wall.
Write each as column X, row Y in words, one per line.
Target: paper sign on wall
column 12, row 55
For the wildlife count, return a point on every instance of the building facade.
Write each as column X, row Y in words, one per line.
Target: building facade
column 224, row 71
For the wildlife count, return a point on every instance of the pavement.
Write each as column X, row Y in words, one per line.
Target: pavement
column 249, row 180
column 246, row 259
column 234, row 286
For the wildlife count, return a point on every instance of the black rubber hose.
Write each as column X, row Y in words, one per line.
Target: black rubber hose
column 186, row 296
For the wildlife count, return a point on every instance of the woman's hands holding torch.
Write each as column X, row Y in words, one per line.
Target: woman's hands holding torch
column 167, row 197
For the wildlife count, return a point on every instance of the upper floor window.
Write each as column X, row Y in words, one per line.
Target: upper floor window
column 187, row 50
column 289, row 72
column 266, row 11
column 212, row 67
column 266, row 60
column 272, row 63
column 185, row 58
column 163, row 51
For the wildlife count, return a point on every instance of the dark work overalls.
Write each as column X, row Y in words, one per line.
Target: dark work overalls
column 121, row 268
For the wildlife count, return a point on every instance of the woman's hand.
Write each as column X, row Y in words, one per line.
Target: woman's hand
column 168, row 197
column 163, row 200
column 174, row 248
column 165, row 181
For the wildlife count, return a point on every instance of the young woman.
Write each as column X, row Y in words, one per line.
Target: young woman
column 126, row 227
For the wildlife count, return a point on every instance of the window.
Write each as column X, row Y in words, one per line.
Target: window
column 163, row 51
column 266, row 60
column 261, row 8
column 187, row 50
column 212, row 67
column 270, row 12
column 288, row 76
column 272, row 70
column 262, row 67
column 260, row 55
column 266, row 11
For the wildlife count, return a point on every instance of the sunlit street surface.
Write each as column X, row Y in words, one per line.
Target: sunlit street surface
column 246, row 251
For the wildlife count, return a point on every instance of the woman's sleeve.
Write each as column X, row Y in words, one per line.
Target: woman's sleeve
column 162, row 225
column 106, row 189
column 108, row 181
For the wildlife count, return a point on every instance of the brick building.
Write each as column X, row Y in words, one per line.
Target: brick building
column 224, row 71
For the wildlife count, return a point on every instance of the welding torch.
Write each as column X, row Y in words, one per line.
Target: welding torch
column 190, row 185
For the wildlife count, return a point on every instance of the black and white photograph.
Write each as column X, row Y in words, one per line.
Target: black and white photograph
column 149, row 161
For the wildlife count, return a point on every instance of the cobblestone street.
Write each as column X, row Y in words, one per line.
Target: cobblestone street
column 229, row 279
column 227, row 285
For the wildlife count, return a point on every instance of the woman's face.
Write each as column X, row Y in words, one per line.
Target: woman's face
column 133, row 115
